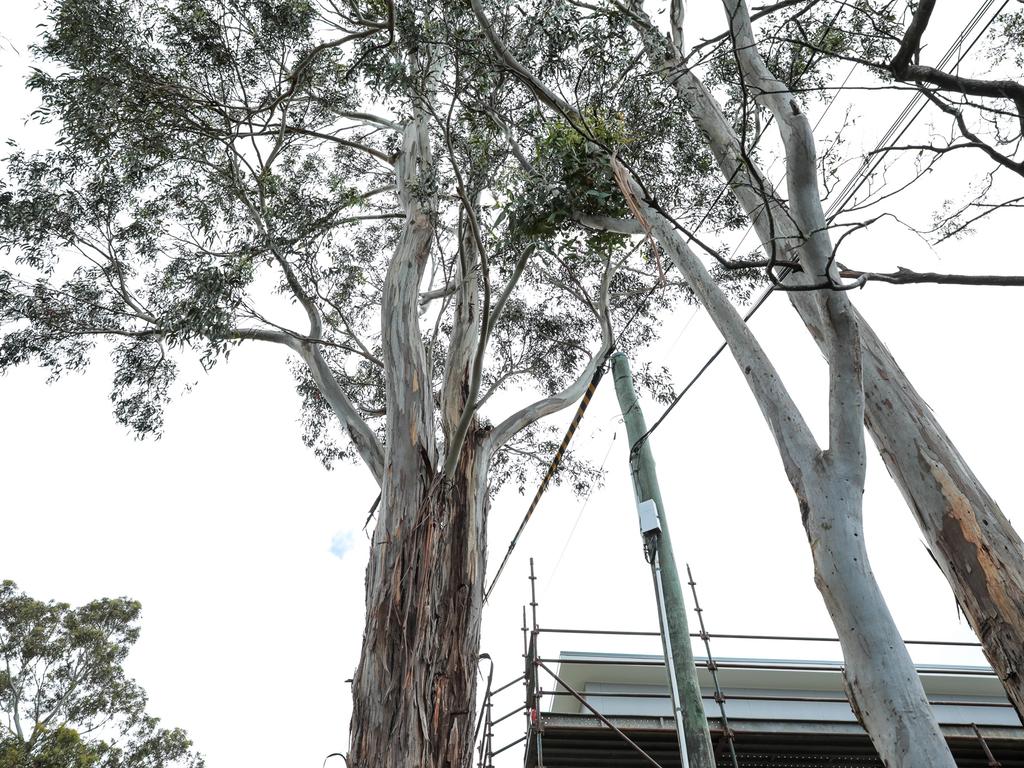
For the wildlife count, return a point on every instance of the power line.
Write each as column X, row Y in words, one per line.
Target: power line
column 863, row 173
column 583, row 508
column 873, row 159
column 675, row 401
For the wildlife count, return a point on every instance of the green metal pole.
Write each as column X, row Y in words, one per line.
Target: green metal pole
column 645, row 485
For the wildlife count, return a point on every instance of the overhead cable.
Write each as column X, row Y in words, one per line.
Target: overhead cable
column 552, row 469
column 846, row 196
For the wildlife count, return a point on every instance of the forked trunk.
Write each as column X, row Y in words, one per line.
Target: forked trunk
column 884, row 687
column 414, row 690
column 975, row 546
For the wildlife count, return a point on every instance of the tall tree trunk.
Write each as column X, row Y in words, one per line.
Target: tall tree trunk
column 973, row 543
column 898, row 717
column 975, row 546
column 884, row 688
column 413, row 692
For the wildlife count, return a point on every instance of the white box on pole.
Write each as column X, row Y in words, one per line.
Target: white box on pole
column 649, row 522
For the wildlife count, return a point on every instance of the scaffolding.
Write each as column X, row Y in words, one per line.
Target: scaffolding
column 542, row 683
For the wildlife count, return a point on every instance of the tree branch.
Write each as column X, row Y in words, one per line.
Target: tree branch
column 373, row 152
column 911, row 42
column 363, row 438
column 904, row 276
column 532, row 413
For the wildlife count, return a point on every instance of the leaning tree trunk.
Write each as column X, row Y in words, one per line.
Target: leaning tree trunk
column 883, row 688
column 413, row 692
column 973, row 543
column 975, row 546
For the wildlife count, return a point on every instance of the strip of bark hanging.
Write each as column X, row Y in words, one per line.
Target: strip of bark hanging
column 622, row 179
column 552, row 469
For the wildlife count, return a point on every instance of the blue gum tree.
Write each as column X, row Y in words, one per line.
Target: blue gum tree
column 336, row 180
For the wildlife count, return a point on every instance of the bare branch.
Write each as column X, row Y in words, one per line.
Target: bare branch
column 384, row 158
column 911, row 42
column 904, row 276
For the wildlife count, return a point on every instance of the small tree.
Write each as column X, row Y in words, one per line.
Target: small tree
column 65, row 698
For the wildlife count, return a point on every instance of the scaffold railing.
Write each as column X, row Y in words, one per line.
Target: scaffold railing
column 543, row 684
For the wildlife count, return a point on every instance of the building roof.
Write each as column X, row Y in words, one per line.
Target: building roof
column 783, row 712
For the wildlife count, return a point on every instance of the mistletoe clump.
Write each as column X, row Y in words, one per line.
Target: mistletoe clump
column 572, row 175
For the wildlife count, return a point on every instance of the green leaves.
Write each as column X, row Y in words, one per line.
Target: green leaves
column 572, row 178
column 143, row 375
column 59, row 748
column 226, row 171
column 65, row 694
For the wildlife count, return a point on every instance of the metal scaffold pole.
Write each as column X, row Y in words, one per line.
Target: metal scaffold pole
column 696, row 750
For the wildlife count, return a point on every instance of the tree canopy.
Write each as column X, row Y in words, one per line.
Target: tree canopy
column 448, row 214
column 65, row 697
column 225, row 173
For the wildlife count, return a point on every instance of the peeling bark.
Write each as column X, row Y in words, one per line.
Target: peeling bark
column 975, row 546
column 414, row 690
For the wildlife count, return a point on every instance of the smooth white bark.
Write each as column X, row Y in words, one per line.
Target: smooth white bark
column 884, row 688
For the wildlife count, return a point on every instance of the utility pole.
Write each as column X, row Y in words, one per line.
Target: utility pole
column 696, row 750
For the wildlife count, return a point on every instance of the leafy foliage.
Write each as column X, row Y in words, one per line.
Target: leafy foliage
column 224, row 172
column 570, row 177
column 64, row 694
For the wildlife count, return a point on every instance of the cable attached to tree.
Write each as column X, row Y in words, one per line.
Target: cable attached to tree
column 552, row 468
column 635, row 448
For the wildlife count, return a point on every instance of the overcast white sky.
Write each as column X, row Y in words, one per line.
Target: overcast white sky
column 248, row 556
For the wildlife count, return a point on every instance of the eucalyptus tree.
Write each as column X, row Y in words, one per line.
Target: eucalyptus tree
column 975, row 546
column 972, row 541
column 335, row 181
column 64, row 695
column 883, row 685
